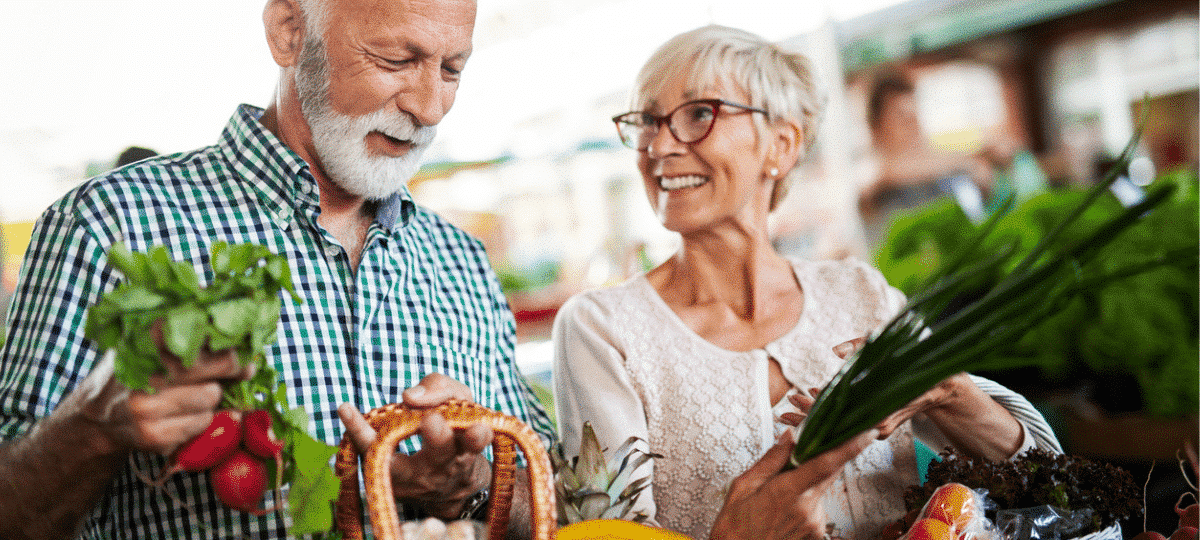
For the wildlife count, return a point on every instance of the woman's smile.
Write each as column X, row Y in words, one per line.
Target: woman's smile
column 671, row 183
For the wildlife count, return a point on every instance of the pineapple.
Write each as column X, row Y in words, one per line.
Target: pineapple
column 590, row 487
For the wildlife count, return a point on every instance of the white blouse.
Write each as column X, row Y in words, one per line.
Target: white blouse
column 625, row 362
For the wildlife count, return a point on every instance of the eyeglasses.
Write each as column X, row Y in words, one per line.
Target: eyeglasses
column 688, row 123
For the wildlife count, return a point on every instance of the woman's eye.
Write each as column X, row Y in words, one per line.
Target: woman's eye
column 700, row 113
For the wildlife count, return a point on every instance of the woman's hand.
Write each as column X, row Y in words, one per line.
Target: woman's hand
column 765, row 504
column 971, row 421
column 937, row 396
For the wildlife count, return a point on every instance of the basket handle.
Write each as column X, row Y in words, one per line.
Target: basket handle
column 394, row 423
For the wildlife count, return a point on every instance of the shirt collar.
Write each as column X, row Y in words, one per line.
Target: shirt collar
column 279, row 176
column 282, row 178
column 396, row 212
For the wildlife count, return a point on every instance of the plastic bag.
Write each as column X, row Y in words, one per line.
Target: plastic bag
column 954, row 512
column 1045, row 523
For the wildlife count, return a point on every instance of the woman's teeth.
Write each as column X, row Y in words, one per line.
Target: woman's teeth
column 680, row 182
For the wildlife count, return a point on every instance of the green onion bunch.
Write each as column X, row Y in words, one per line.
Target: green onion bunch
column 937, row 335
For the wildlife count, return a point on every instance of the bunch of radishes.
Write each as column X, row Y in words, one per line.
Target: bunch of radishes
column 1188, row 515
column 258, row 440
column 234, row 449
column 1186, row 530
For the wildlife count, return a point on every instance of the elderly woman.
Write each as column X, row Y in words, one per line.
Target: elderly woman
column 701, row 356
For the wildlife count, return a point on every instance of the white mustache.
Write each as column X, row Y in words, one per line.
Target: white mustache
column 396, row 125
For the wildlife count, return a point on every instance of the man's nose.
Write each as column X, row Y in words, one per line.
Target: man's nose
column 427, row 97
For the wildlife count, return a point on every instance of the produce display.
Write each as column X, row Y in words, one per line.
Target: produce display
column 1139, row 334
column 1039, row 495
column 1100, row 493
column 256, row 442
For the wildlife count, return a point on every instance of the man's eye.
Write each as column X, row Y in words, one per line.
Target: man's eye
column 397, row 62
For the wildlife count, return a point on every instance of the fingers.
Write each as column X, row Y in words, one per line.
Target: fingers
column 827, row 464
column 361, row 433
column 445, row 444
column 166, row 434
column 209, row 365
column 804, row 401
column 434, row 390
column 175, row 401
column 765, row 468
column 791, row 419
column 844, row 350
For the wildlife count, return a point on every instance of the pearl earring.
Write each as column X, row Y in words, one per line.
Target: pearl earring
column 774, row 172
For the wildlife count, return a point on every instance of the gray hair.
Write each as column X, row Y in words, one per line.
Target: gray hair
column 316, row 17
column 779, row 81
column 312, row 73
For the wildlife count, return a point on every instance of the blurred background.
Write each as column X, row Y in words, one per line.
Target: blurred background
column 1008, row 97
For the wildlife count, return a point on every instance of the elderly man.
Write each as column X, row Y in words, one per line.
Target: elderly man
column 398, row 304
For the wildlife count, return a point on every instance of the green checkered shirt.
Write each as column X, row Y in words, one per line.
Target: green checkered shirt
column 423, row 300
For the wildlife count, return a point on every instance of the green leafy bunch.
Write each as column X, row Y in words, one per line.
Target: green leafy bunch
column 239, row 309
column 980, row 299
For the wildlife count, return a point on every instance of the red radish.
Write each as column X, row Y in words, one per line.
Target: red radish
column 1188, row 516
column 1149, row 535
column 207, row 449
column 258, row 437
column 240, row 482
column 1184, row 533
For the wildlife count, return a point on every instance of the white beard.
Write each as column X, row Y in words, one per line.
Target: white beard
column 340, row 139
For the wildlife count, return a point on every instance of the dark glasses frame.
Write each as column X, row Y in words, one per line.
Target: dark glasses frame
column 637, row 119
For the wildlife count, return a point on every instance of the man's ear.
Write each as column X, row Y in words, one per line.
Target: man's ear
column 284, row 24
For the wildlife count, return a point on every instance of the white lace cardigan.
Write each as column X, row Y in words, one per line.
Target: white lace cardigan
column 625, row 362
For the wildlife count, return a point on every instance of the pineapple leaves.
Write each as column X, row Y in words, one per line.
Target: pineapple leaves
column 590, row 465
column 589, row 486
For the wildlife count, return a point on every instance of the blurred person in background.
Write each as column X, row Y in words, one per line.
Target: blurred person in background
column 134, row 154
column 911, row 172
column 710, row 356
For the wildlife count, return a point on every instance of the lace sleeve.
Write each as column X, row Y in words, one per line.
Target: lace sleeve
column 591, row 384
column 1036, row 432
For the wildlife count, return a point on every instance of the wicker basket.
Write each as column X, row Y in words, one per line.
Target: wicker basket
column 394, row 423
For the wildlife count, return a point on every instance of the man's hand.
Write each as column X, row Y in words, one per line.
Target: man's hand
column 765, row 504
column 449, row 467
column 180, row 406
column 76, row 450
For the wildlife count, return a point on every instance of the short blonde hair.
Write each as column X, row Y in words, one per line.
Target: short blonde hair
column 776, row 80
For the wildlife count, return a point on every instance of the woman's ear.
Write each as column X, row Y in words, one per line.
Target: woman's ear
column 787, row 147
column 284, row 24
